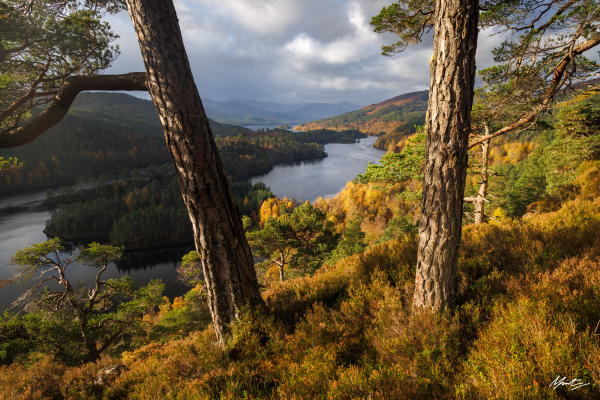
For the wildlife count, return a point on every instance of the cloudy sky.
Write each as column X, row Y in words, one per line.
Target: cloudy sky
column 291, row 51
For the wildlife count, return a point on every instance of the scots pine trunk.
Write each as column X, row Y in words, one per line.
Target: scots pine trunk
column 281, row 265
column 452, row 70
column 481, row 196
column 229, row 275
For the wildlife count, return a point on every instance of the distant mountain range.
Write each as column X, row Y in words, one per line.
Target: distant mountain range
column 253, row 112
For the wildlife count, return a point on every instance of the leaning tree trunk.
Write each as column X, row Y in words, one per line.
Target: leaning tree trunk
column 448, row 126
column 229, row 275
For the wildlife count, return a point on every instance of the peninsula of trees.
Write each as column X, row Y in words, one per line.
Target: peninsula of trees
column 465, row 266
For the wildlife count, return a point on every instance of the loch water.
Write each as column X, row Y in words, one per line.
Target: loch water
column 304, row 180
column 308, row 180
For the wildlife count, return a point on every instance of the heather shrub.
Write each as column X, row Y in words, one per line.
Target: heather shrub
column 178, row 369
column 374, row 382
column 289, row 300
column 588, row 180
column 397, row 259
column 186, row 315
column 424, row 344
column 573, row 287
column 49, row 378
column 310, row 378
column 525, row 347
column 491, row 253
column 40, row 380
column 77, row 383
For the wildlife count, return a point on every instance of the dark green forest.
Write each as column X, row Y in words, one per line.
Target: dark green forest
column 105, row 133
column 145, row 208
column 111, row 148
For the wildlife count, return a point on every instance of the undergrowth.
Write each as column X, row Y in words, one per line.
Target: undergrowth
column 528, row 312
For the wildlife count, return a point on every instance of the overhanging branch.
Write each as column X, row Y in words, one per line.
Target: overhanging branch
column 61, row 103
column 555, row 85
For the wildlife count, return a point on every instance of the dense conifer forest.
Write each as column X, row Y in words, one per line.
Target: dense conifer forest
column 105, row 133
column 338, row 324
column 143, row 208
column 109, row 144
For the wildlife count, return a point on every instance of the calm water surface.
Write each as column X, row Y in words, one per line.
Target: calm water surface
column 308, row 180
column 303, row 180
column 21, row 230
column 257, row 127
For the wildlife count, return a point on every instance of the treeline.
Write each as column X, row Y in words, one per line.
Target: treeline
column 98, row 137
column 384, row 120
column 412, row 120
column 244, row 157
column 139, row 210
column 255, row 153
column 84, row 145
column 87, row 144
column 321, row 136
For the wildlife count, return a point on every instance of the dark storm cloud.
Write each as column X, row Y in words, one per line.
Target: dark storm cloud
column 291, row 51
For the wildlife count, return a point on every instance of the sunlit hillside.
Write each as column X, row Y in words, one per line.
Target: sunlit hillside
column 395, row 117
column 337, row 323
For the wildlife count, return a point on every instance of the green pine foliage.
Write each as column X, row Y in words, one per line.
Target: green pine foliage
column 399, row 167
column 545, row 177
column 301, row 240
column 74, row 323
column 353, row 240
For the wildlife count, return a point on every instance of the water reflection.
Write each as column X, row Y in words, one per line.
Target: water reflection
column 21, row 230
column 145, row 260
column 302, row 180
column 308, row 180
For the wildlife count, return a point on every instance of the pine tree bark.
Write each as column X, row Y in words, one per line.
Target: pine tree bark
column 229, row 274
column 452, row 70
column 481, row 196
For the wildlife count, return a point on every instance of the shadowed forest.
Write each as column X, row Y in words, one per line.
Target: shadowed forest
column 465, row 265
column 339, row 324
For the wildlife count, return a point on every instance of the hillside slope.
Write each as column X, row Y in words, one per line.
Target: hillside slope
column 130, row 108
column 103, row 133
column 396, row 115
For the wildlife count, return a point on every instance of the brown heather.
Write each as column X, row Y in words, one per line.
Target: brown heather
column 528, row 310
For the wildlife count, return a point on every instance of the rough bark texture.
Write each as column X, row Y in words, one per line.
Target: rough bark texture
column 229, row 275
column 448, row 126
column 59, row 107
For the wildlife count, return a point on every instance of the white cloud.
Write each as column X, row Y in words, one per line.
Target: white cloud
column 290, row 51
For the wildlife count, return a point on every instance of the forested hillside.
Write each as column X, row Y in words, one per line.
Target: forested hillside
column 338, row 320
column 104, row 133
column 142, row 209
column 111, row 148
column 392, row 119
